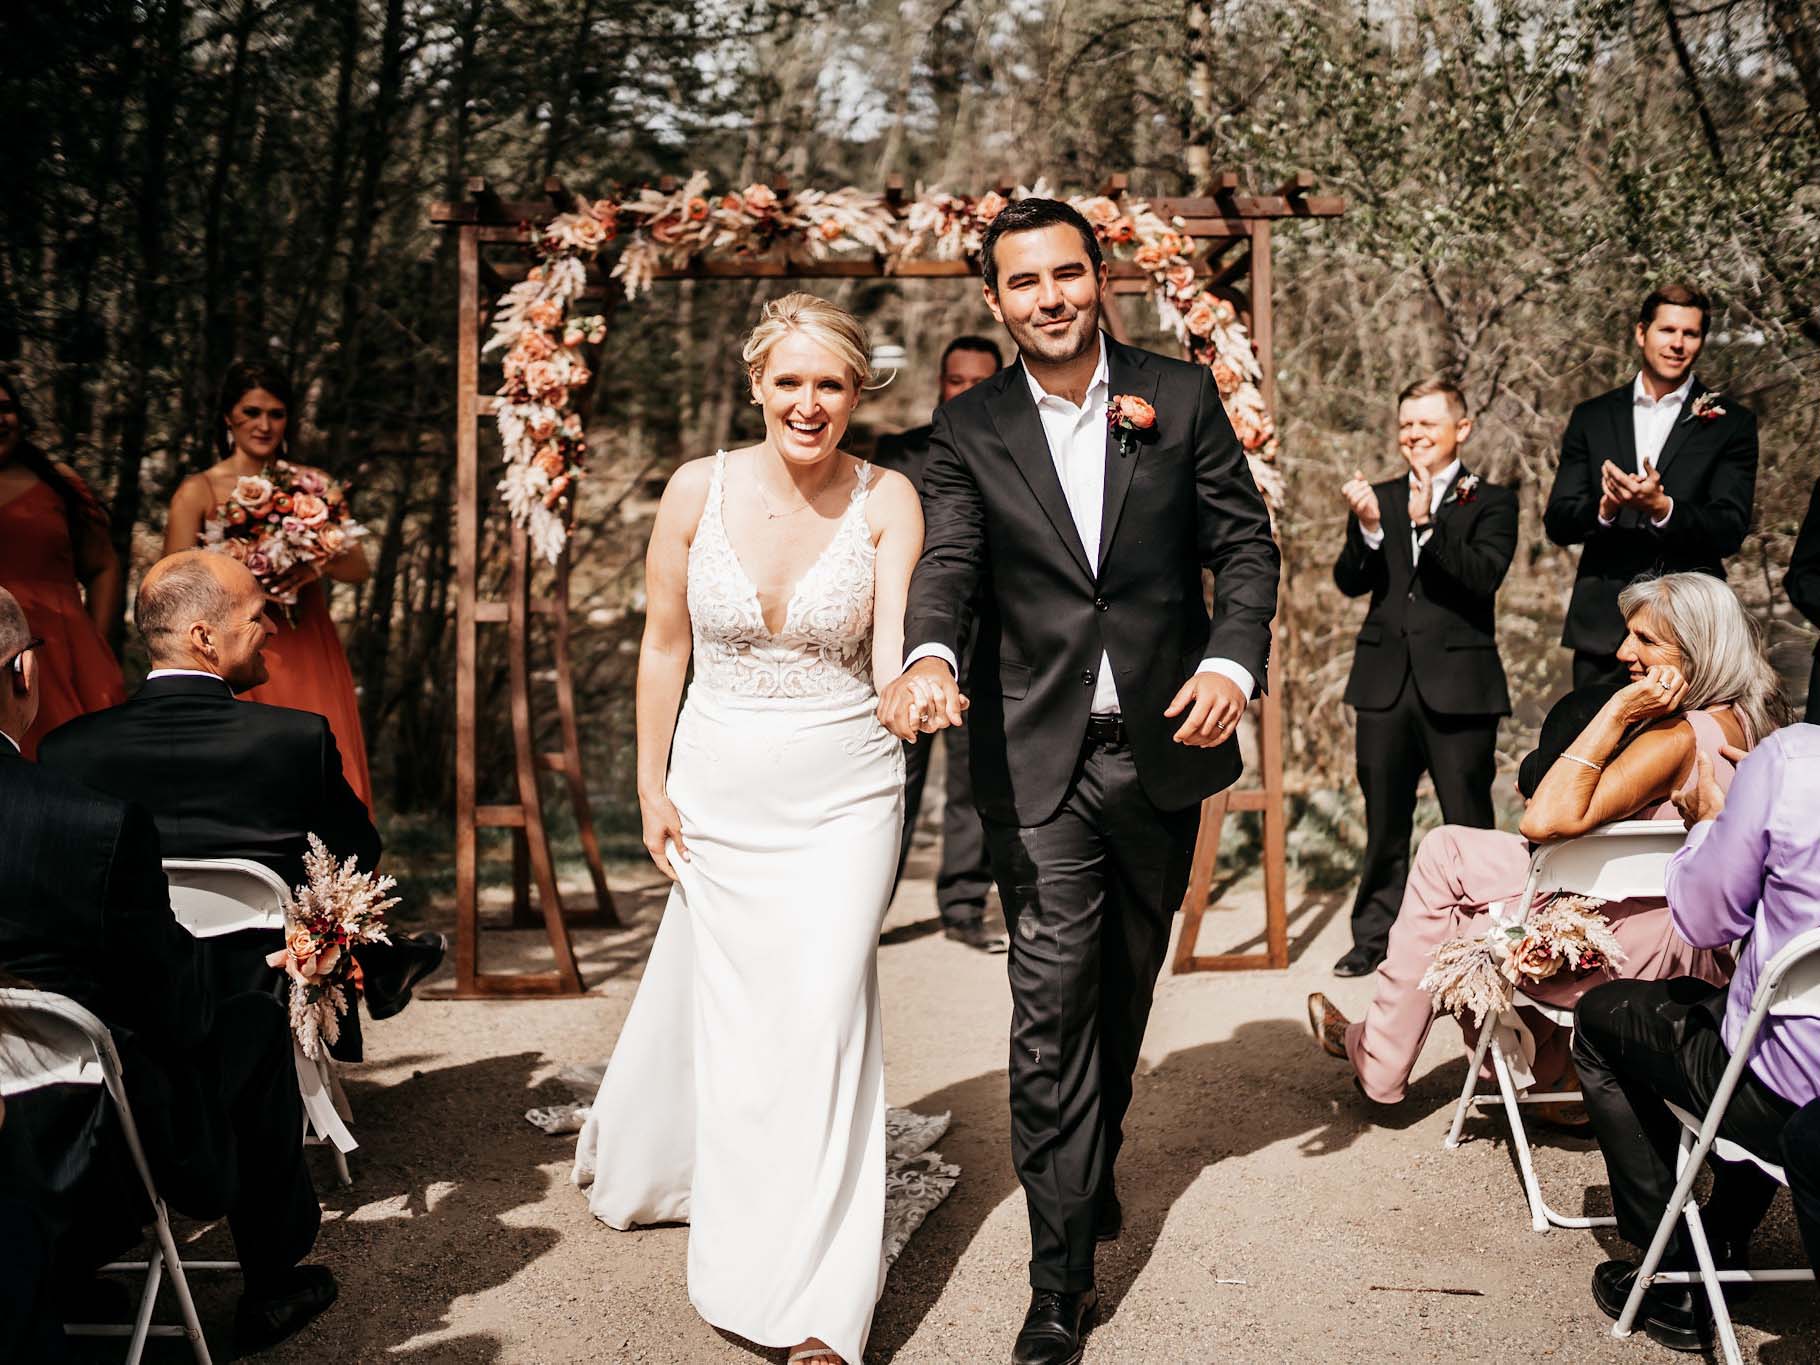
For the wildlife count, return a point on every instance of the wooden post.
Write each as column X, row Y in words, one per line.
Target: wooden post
column 1267, row 798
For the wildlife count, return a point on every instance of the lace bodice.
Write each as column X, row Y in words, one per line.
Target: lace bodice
column 823, row 652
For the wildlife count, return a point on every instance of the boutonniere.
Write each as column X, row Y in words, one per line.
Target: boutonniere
column 1466, row 488
column 1705, row 408
column 1127, row 414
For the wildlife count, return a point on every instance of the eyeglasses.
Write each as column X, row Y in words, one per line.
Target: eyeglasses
column 17, row 662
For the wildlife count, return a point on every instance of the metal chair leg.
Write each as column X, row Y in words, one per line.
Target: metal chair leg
column 1466, row 1090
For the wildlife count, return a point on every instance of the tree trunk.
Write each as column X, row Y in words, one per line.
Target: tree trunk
column 150, row 325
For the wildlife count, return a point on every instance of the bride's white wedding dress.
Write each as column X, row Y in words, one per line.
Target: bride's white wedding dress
column 746, row 1093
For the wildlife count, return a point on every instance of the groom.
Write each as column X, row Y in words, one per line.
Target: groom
column 1103, row 700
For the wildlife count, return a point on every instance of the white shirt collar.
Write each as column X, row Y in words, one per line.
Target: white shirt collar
column 1639, row 396
column 185, row 673
column 1445, row 477
column 1102, row 378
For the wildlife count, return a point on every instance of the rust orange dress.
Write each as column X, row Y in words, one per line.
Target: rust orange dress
column 77, row 671
column 310, row 672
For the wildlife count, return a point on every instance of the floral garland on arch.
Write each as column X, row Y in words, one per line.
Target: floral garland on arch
column 543, row 438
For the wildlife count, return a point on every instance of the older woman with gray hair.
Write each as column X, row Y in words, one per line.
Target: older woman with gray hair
column 1699, row 684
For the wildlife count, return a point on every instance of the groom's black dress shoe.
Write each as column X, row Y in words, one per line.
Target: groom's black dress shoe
column 1674, row 1315
column 1358, row 962
column 1054, row 1327
column 389, row 971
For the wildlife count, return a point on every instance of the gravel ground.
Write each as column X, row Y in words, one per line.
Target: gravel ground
column 1269, row 1215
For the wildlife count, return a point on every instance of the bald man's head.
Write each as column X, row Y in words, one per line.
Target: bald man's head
column 18, row 670
column 204, row 611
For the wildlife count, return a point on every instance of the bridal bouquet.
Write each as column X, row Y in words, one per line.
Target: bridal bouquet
column 1481, row 974
column 290, row 518
column 338, row 907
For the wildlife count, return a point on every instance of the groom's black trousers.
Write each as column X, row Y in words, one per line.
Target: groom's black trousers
column 1088, row 896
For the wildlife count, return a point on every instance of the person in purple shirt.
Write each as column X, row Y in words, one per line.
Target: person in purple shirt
column 1750, row 870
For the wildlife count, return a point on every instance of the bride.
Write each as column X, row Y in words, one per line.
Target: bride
column 746, row 1092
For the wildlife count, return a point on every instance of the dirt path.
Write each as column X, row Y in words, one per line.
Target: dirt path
column 1269, row 1217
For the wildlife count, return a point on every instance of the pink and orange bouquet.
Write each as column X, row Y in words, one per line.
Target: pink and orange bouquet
column 338, row 907
column 1481, row 975
column 289, row 519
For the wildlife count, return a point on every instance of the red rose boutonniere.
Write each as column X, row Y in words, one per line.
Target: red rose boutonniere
column 1127, row 414
column 1466, row 488
column 1705, row 408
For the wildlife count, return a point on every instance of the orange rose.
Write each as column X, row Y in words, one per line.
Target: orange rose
column 698, row 209
column 332, row 539
column 1150, row 257
column 587, row 231
column 991, row 204
column 1225, row 378
column 542, row 429
column 1121, row 230
column 732, row 203
column 606, row 213
column 1128, row 410
column 1180, row 277
column 760, row 199
column 542, row 378
column 544, row 313
column 831, row 231
column 549, row 460
column 1100, row 211
column 1534, row 959
column 309, row 509
column 1202, row 315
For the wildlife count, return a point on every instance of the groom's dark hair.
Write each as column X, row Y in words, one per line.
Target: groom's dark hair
column 1027, row 215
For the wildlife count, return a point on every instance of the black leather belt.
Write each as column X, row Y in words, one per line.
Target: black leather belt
column 1106, row 729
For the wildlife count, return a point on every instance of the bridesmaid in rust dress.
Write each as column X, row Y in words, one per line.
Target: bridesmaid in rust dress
column 309, row 668
column 54, row 554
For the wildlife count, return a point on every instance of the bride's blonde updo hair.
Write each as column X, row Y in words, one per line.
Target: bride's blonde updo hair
column 828, row 324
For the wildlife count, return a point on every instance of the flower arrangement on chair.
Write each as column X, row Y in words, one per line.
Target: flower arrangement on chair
column 1480, row 975
column 338, row 907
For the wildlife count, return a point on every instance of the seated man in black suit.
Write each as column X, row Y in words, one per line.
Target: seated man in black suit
column 1431, row 546
column 965, row 873
column 231, row 779
column 85, row 912
column 1655, row 477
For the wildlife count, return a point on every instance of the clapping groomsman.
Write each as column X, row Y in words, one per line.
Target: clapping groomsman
column 1802, row 584
column 965, row 873
column 1431, row 547
column 1656, row 477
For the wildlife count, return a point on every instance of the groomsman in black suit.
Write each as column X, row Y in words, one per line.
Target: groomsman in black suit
column 1431, row 547
column 964, row 874
column 85, row 913
column 1802, row 583
column 1074, row 499
column 230, row 779
column 1655, row 477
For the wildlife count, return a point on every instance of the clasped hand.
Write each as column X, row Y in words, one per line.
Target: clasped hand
column 922, row 699
column 1618, row 489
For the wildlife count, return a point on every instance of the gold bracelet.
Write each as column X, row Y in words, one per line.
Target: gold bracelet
column 1583, row 762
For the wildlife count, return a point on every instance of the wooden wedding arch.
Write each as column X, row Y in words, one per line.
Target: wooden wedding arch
column 1231, row 227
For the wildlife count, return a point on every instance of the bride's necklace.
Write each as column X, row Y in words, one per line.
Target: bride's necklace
column 809, row 501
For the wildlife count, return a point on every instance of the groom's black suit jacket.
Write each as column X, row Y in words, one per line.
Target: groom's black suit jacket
column 222, row 777
column 993, row 508
column 1708, row 466
column 1433, row 615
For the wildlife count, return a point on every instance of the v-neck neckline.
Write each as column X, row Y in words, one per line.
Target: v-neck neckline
column 758, row 604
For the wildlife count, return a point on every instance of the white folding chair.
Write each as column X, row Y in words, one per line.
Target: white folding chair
column 1789, row 985
column 215, row 896
column 69, row 1046
column 1616, row 862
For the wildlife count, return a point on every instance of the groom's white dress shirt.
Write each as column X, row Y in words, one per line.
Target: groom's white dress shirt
column 1418, row 536
column 1077, row 446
